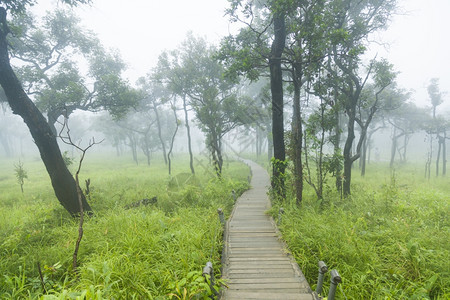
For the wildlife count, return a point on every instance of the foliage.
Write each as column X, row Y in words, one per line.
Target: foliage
column 144, row 252
column 19, row 6
column 68, row 160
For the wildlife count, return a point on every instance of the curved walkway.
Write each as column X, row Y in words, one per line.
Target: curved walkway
column 256, row 264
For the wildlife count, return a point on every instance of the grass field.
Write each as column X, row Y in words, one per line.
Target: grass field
column 151, row 252
column 389, row 240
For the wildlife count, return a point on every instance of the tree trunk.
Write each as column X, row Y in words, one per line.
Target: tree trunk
column 276, row 87
column 348, row 162
column 5, row 143
column 363, row 158
column 63, row 182
column 429, row 158
column 438, row 155
column 172, row 140
column 214, row 145
column 444, row 155
column 393, row 149
column 297, row 139
column 269, row 142
column 188, row 130
column 133, row 147
column 337, row 147
column 158, row 122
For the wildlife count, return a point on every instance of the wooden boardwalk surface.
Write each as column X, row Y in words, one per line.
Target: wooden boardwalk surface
column 256, row 264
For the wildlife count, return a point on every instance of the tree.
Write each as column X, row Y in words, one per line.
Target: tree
column 354, row 21
column 171, row 74
column 252, row 51
column 155, row 95
column 304, row 54
column 440, row 125
column 50, row 53
column 62, row 180
column 276, row 87
column 213, row 97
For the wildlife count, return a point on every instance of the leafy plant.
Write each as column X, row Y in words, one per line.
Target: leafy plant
column 68, row 160
column 21, row 174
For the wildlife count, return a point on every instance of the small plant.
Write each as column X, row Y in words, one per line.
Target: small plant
column 68, row 161
column 21, row 174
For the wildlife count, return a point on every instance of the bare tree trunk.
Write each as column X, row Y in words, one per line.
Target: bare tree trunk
column 63, row 182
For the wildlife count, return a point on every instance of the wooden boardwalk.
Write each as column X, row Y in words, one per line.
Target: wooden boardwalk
column 256, row 264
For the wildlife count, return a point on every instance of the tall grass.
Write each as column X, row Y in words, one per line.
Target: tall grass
column 151, row 252
column 389, row 240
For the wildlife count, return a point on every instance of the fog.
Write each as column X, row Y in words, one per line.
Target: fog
column 415, row 43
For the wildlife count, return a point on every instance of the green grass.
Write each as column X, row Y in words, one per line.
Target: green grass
column 389, row 240
column 154, row 252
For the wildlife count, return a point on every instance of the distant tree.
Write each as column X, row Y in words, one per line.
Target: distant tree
column 155, row 96
column 406, row 121
column 62, row 180
column 354, row 21
column 171, row 74
column 213, row 97
column 378, row 103
column 439, row 126
column 361, row 108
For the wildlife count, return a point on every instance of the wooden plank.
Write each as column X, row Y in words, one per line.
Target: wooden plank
column 240, row 295
column 238, row 276
column 285, row 272
column 267, row 286
column 263, row 280
column 262, row 267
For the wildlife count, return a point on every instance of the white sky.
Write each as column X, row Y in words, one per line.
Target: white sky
column 142, row 29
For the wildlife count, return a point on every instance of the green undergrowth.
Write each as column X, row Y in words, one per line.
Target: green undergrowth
column 146, row 252
column 388, row 240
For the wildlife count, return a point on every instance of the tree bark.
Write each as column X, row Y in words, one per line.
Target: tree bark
column 63, row 183
column 276, row 87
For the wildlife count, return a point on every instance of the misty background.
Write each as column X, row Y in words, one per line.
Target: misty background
column 415, row 43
